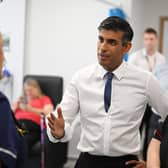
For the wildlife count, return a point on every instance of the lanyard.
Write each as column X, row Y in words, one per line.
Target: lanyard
column 150, row 66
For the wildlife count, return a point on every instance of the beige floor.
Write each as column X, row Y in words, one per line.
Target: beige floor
column 70, row 163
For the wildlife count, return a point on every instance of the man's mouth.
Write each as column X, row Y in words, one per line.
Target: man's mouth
column 103, row 56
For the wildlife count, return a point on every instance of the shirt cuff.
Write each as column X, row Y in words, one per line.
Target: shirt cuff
column 68, row 133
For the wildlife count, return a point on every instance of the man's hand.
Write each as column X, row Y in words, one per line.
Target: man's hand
column 57, row 124
column 136, row 163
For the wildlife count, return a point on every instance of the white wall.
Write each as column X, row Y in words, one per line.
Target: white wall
column 152, row 17
column 157, row 9
column 12, row 22
column 146, row 13
column 137, row 22
column 61, row 36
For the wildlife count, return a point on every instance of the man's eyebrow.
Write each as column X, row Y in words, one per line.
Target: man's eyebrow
column 112, row 40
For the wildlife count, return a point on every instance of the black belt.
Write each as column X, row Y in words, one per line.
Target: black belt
column 112, row 158
column 87, row 160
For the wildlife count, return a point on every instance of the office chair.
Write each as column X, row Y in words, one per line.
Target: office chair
column 47, row 153
column 51, row 86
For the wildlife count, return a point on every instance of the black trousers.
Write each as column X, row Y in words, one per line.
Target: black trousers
column 87, row 160
column 33, row 134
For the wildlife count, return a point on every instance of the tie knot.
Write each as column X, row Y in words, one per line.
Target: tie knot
column 109, row 75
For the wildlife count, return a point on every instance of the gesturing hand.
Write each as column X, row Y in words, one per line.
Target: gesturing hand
column 137, row 164
column 56, row 124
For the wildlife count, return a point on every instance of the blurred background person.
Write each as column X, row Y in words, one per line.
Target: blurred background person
column 28, row 109
column 148, row 58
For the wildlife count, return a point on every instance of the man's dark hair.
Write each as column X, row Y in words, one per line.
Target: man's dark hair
column 115, row 23
column 151, row 31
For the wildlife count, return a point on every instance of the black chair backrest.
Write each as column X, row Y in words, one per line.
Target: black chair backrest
column 51, row 86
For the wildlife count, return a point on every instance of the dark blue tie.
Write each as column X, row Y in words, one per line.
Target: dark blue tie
column 107, row 91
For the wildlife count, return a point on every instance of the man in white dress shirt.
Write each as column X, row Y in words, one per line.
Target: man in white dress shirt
column 148, row 58
column 109, row 137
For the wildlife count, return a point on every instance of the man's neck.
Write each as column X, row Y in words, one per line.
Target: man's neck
column 150, row 52
column 112, row 68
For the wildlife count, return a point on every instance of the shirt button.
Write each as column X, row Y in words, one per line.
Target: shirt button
column 110, row 116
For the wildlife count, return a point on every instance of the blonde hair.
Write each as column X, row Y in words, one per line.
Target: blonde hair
column 34, row 83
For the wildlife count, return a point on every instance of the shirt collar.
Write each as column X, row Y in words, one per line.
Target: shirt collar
column 145, row 54
column 118, row 73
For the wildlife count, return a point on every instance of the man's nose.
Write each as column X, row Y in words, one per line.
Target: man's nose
column 103, row 46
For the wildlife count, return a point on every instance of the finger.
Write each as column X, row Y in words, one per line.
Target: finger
column 52, row 117
column 50, row 120
column 131, row 162
column 139, row 166
column 51, row 126
column 59, row 112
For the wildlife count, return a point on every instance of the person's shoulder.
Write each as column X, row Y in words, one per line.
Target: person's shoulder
column 137, row 53
column 137, row 72
column 135, row 56
column 135, row 69
column 163, row 66
column 4, row 104
column 45, row 98
column 86, row 71
column 88, row 68
column 3, row 97
column 160, row 55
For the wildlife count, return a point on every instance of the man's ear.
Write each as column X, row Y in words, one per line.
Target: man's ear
column 127, row 46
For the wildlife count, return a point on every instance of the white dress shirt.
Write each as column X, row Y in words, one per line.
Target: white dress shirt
column 161, row 74
column 116, row 132
column 146, row 62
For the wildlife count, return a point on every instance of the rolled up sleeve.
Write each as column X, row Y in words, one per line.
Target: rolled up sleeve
column 70, row 108
column 157, row 97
